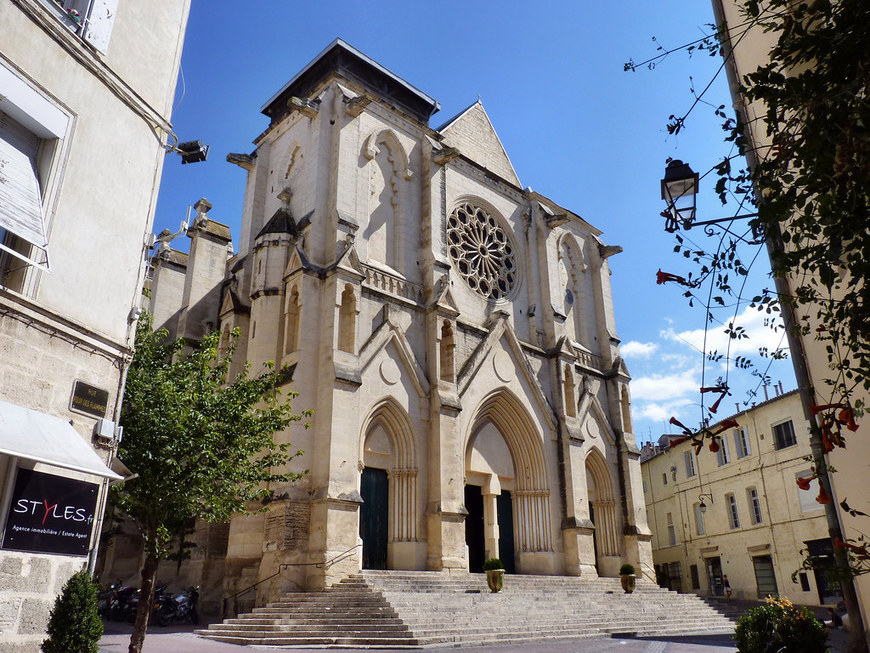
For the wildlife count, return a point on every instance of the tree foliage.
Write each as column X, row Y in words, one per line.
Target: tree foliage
column 75, row 625
column 808, row 176
column 811, row 186
column 814, row 178
column 201, row 444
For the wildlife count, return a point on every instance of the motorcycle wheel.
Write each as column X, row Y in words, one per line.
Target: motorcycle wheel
column 164, row 616
column 194, row 617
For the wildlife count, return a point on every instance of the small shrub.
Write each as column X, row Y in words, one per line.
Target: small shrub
column 626, row 569
column 75, row 625
column 780, row 626
column 492, row 563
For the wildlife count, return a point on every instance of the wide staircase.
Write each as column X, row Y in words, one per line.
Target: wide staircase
column 397, row 609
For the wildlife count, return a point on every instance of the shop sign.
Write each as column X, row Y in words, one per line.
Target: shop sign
column 50, row 514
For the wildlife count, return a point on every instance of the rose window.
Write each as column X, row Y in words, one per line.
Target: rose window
column 481, row 251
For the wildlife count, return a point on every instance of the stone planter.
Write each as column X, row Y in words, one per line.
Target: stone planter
column 627, row 581
column 495, row 579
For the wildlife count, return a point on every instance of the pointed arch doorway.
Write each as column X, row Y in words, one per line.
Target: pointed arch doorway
column 374, row 517
column 506, row 473
column 603, row 514
column 388, row 487
column 490, row 477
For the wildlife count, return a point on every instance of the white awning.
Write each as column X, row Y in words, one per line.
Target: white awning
column 29, row 434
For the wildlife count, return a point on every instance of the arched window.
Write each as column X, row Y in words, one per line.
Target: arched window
column 224, row 345
column 291, row 322
column 387, row 169
column 570, row 409
column 447, row 347
column 347, row 321
column 626, row 411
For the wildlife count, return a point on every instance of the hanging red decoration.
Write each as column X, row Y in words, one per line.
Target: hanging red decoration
column 664, row 277
column 823, row 497
column 832, row 418
column 723, row 392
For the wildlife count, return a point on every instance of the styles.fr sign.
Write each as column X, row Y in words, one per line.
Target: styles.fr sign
column 50, row 514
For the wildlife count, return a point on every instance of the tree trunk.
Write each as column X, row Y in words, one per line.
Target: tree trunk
column 146, row 600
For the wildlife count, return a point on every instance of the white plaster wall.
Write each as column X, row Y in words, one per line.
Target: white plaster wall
column 105, row 206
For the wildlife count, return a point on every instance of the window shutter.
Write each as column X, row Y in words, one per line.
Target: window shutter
column 690, row 464
column 99, row 25
column 20, row 198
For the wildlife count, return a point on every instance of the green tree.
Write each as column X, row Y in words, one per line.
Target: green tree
column 200, row 443
column 75, row 625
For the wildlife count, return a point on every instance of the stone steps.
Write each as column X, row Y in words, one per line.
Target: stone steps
column 418, row 609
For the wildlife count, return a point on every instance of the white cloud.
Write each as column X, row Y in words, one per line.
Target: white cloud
column 678, row 361
column 635, row 349
column 665, row 387
column 756, row 325
column 661, row 411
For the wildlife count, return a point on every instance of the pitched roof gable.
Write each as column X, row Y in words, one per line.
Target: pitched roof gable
column 472, row 133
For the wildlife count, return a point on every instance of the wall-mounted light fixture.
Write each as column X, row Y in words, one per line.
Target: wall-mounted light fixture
column 192, row 151
column 680, row 190
column 703, row 505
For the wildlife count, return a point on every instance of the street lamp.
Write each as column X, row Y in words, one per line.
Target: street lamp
column 703, row 506
column 679, row 189
column 192, row 151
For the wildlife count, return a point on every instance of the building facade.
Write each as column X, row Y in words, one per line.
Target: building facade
column 83, row 118
column 452, row 331
column 739, row 512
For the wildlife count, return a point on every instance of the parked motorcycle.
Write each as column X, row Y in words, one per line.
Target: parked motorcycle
column 104, row 598
column 181, row 607
column 122, row 603
column 159, row 591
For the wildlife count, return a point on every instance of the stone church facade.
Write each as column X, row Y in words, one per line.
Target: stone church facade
column 452, row 331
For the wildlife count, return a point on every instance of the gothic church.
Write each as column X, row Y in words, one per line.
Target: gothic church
column 452, row 331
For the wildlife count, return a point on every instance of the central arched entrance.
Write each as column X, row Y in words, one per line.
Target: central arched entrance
column 506, row 492
column 490, row 477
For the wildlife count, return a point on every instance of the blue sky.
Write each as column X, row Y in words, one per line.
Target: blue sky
column 577, row 128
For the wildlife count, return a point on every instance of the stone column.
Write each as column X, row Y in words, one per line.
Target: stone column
column 490, row 516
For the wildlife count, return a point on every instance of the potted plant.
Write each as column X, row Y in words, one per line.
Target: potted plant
column 627, row 577
column 494, row 574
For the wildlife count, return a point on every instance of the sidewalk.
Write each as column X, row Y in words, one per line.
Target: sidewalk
column 180, row 639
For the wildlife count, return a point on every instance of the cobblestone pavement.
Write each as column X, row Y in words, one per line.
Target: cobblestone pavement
column 180, row 639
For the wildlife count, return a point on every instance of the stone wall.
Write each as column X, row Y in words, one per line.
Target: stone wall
column 30, row 584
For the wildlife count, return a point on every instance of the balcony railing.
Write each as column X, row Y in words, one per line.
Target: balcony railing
column 393, row 284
